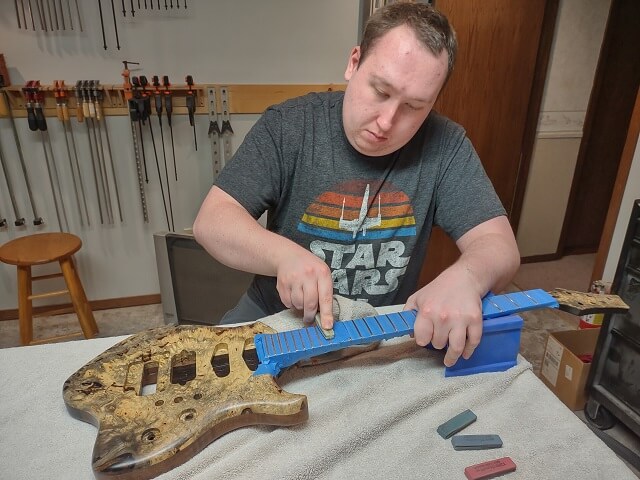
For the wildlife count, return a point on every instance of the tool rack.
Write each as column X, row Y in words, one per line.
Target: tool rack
column 243, row 98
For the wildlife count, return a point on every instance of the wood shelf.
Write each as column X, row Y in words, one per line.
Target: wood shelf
column 242, row 98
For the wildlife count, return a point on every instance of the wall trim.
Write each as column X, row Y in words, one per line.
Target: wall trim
column 12, row 314
column 558, row 121
column 547, row 257
column 560, row 134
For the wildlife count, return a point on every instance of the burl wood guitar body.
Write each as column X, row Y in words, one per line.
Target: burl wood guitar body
column 204, row 388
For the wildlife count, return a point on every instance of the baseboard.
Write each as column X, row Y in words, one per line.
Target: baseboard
column 580, row 250
column 549, row 257
column 107, row 304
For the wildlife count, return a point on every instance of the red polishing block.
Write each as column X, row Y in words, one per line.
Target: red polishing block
column 491, row 469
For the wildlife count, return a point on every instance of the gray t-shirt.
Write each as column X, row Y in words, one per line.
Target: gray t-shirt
column 368, row 218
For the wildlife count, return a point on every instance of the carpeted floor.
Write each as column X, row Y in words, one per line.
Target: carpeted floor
column 111, row 323
column 572, row 273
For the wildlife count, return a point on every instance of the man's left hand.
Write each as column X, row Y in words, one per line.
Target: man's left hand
column 449, row 313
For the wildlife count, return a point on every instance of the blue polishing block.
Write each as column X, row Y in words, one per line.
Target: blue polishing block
column 498, row 349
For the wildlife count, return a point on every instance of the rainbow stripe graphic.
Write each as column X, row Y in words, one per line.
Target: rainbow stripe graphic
column 360, row 210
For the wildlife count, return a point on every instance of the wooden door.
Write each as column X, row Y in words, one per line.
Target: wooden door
column 490, row 94
column 605, row 131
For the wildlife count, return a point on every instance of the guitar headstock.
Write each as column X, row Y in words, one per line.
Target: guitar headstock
column 581, row 303
column 161, row 396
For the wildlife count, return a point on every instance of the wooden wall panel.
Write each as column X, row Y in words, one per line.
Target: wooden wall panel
column 489, row 93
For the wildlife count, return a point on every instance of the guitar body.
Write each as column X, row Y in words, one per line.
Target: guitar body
column 204, row 388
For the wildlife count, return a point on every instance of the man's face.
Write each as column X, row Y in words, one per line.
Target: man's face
column 390, row 94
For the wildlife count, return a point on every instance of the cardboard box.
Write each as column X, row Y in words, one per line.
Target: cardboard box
column 562, row 371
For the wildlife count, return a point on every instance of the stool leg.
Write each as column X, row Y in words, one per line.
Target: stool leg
column 78, row 297
column 25, row 305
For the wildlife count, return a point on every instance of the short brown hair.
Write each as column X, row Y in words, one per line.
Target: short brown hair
column 429, row 25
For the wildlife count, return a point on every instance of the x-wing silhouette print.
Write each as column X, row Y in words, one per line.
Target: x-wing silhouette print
column 362, row 222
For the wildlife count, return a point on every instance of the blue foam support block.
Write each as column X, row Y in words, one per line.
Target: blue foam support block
column 498, row 349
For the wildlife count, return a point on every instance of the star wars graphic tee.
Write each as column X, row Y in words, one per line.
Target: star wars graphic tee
column 368, row 218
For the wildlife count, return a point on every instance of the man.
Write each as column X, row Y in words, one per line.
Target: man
column 353, row 183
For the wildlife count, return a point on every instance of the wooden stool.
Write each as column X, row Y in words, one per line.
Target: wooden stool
column 39, row 249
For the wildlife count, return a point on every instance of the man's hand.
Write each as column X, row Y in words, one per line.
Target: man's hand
column 303, row 280
column 449, row 312
column 450, row 307
column 304, row 283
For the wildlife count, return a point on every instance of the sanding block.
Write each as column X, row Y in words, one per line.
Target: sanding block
column 457, row 423
column 328, row 334
column 490, row 469
column 476, row 442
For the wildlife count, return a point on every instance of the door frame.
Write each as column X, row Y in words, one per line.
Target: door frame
column 439, row 259
column 626, row 160
column 533, row 112
column 603, row 72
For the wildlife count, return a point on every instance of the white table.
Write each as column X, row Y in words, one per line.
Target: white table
column 371, row 416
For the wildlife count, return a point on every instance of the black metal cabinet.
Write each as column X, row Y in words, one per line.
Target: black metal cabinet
column 614, row 378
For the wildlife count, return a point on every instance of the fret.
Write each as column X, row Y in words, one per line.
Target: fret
column 284, row 343
column 359, row 333
column 340, row 329
column 297, row 338
column 409, row 317
column 313, row 336
column 351, row 328
column 268, row 345
column 363, row 329
column 386, row 325
column 490, row 308
column 305, row 338
column 276, row 344
column 277, row 348
column 398, row 322
column 510, row 299
column 291, row 341
column 373, row 325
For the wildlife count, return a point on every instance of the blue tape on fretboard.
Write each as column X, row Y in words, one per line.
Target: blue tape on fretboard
column 500, row 305
column 280, row 350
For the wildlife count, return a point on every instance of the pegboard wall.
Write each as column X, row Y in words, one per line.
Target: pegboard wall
column 261, row 52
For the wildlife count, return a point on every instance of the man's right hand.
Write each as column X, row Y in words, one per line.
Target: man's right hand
column 305, row 284
column 303, row 280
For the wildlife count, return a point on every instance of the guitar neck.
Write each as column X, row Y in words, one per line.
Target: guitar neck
column 280, row 350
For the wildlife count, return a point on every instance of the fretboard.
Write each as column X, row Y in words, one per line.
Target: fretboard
column 280, row 350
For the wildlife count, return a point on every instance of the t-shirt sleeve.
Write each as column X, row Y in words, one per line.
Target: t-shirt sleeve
column 465, row 196
column 253, row 176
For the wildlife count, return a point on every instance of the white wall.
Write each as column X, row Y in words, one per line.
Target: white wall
column 631, row 193
column 546, row 198
column 226, row 41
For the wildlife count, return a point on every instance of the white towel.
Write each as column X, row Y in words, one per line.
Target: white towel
column 343, row 309
column 374, row 415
